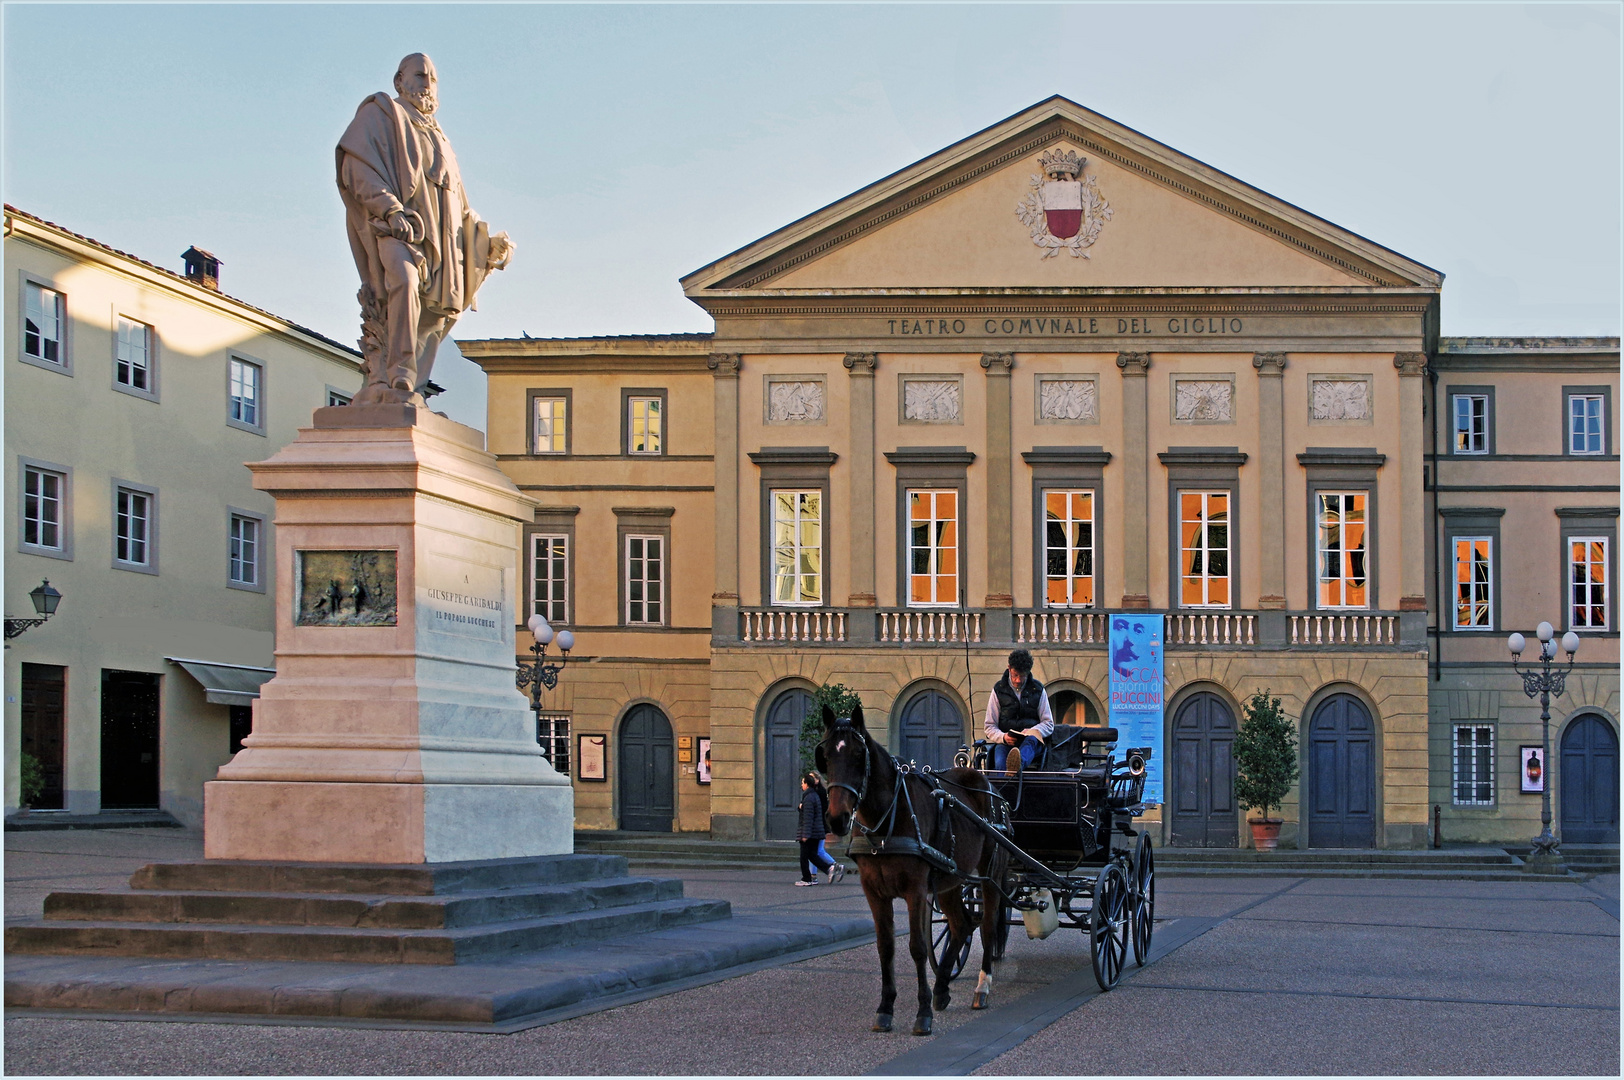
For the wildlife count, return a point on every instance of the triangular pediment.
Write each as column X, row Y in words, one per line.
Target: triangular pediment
column 984, row 214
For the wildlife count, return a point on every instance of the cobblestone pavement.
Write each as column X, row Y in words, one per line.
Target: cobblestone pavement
column 1269, row 976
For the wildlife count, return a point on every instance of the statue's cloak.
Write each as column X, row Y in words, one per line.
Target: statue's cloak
column 387, row 162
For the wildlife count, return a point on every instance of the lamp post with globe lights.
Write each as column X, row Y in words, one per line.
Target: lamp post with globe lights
column 1544, row 858
column 537, row 677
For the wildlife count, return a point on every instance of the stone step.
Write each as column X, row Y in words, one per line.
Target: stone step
column 241, row 941
column 451, row 911
column 428, row 879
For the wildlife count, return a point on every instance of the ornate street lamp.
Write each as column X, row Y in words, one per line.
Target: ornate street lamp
column 1544, row 858
column 533, row 677
column 45, row 600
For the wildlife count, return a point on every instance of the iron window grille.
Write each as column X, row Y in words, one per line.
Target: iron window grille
column 1474, row 765
column 553, row 733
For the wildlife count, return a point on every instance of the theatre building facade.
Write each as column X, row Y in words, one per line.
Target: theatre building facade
column 1055, row 372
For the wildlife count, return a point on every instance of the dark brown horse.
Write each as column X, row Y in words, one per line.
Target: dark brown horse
column 930, row 849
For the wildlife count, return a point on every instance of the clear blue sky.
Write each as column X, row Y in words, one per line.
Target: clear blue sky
column 623, row 146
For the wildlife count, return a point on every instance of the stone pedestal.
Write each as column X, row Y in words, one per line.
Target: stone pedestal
column 393, row 731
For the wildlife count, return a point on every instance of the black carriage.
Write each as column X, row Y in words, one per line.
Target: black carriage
column 1059, row 822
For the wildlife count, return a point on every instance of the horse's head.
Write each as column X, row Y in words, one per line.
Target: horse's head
column 843, row 757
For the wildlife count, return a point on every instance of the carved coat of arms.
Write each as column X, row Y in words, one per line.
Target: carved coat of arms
column 1064, row 210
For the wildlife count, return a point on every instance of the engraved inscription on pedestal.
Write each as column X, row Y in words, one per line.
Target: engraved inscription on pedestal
column 794, row 400
column 1203, row 401
column 345, row 588
column 468, row 599
column 1068, row 401
column 930, row 400
column 1339, row 398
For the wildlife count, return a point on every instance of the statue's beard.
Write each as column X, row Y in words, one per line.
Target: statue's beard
column 423, row 101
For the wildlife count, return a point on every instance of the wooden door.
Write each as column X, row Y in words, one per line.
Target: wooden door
column 1589, row 782
column 129, row 740
column 1341, row 781
column 931, row 730
column 783, row 762
column 646, row 775
column 1203, row 774
column 44, row 726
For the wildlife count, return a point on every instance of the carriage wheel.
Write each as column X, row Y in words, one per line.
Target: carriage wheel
column 1143, row 912
column 1108, row 926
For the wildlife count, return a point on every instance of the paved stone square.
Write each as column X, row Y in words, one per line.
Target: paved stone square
column 1269, row 976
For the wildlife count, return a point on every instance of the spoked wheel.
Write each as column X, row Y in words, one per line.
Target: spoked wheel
column 1143, row 911
column 1108, row 926
column 941, row 939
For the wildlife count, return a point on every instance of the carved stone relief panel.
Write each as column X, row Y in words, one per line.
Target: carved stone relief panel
column 1068, row 399
column 795, row 399
column 1339, row 399
column 930, row 399
column 1204, row 399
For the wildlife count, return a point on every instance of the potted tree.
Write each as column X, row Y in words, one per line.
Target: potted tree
column 33, row 781
column 1265, row 764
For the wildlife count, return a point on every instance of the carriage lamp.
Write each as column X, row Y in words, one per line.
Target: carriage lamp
column 45, row 599
column 1543, row 857
column 540, row 675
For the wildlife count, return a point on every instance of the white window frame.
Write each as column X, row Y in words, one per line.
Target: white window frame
column 1344, row 576
column 233, row 560
column 1477, row 440
column 1207, row 577
column 551, row 602
column 257, row 424
column 1476, row 745
column 63, row 549
column 656, row 429
column 63, row 364
column 337, row 397
column 640, row 607
column 933, row 550
column 558, row 425
column 553, row 735
column 1071, row 550
column 124, row 341
column 1588, row 583
column 149, row 538
column 797, row 549
column 1600, row 403
column 1488, row 582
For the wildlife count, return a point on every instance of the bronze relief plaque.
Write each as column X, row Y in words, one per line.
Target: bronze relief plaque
column 345, row 588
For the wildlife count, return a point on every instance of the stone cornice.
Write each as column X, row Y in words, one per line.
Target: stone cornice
column 794, row 455
column 930, row 455
column 1341, row 455
column 1202, row 455
column 1067, row 455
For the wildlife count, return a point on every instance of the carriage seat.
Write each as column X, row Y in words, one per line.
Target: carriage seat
column 1068, row 744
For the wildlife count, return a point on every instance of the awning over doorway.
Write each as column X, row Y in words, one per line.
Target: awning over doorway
column 226, row 684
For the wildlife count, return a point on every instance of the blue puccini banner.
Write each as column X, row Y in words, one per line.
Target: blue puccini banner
column 1136, row 691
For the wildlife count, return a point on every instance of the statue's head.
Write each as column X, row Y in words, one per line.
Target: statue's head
column 415, row 81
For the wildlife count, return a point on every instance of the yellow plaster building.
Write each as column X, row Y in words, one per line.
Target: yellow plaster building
column 1055, row 371
column 133, row 397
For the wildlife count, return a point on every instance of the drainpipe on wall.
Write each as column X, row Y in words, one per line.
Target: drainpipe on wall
column 1435, row 656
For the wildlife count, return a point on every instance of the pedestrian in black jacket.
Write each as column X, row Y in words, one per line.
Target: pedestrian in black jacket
column 810, row 832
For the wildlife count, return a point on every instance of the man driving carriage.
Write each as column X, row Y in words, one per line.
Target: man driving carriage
column 1018, row 716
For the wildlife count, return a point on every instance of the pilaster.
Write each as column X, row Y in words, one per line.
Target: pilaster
column 725, row 368
column 1271, row 369
column 860, row 537
column 1135, row 368
column 1000, row 482
column 1412, row 487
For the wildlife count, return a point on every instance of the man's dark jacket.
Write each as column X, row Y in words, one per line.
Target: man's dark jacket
column 811, row 826
column 1017, row 712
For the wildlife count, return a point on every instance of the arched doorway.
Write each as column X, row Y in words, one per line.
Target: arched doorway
column 931, row 729
column 647, row 794
column 1341, row 780
column 783, row 761
column 1589, row 782
column 1203, row 774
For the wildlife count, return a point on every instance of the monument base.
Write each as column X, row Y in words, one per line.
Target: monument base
column 385, row 823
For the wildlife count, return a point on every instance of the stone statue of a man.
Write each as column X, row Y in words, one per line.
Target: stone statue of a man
column 422, row 251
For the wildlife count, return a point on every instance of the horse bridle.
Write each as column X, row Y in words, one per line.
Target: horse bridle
column 858, row 795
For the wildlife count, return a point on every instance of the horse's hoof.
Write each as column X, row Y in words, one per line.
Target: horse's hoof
column 922, row 1026
column 978, row 1000
column 941, row 1001
column 882, row 1022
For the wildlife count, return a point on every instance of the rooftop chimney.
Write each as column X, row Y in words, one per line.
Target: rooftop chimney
column 202, row 267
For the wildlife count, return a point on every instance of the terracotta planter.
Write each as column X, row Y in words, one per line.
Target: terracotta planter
column 1265, row 834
